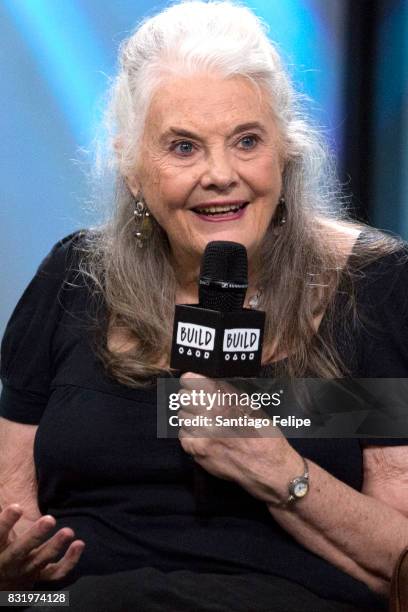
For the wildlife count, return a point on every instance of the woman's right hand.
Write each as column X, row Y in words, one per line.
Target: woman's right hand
column 29, row 557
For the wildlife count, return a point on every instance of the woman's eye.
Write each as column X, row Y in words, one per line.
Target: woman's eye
column 249, row 142
column 184, row 147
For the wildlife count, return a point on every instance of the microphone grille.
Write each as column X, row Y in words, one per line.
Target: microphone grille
column 223, row 276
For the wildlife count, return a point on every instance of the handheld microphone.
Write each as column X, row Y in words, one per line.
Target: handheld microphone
column 218, row 337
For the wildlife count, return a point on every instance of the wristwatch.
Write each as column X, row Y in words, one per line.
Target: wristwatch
column 298, row 488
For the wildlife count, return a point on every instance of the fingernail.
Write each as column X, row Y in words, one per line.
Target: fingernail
column 47, row 521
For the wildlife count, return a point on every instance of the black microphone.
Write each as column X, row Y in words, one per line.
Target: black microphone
column 223, row 277
column 218, row 337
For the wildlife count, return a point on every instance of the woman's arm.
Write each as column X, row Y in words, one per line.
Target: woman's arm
column 27, row 553
column 17, row 472
column 361, row 533
column 386, row 475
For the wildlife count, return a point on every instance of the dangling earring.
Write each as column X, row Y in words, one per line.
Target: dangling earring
column 143, row 222
column 280, row 218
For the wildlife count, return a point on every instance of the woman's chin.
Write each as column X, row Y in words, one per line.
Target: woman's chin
column 224, row 237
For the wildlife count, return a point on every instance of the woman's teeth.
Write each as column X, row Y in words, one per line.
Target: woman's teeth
column 217, row 210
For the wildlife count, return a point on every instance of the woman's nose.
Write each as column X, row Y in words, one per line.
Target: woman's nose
column 219, row 171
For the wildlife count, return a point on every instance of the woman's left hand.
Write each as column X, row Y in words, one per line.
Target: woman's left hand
column 255, row 458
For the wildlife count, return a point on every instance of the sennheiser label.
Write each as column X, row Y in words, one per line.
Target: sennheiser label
column 195, row 336
column 241, row 339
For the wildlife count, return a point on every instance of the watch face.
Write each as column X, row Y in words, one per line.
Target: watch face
column 300, row 487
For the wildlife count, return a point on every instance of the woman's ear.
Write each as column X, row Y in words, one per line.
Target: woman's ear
column 283, row 160
column 133, row 184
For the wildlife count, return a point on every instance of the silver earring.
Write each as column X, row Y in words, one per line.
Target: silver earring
column 281, row 212
column 142, row 219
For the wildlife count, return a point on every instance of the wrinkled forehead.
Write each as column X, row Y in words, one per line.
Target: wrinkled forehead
column 206, row 104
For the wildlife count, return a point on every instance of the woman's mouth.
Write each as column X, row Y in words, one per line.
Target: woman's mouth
column 226, row 212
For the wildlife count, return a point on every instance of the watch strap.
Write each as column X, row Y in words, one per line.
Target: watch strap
column 295, row 482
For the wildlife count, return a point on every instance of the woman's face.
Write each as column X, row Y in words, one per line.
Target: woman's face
column 209, row 143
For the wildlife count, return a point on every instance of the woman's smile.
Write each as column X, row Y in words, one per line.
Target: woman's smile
column 217, row 212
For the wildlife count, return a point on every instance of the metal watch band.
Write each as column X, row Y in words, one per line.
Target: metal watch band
column 302, row 480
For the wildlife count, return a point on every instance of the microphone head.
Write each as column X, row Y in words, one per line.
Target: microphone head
column 224, row 276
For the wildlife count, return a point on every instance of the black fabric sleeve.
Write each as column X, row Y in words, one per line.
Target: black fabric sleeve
column 26, row 364
column 382, row 301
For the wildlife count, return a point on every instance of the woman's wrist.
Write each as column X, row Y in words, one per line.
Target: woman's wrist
column 298, row 488
column 291, row 470
column 271, row 484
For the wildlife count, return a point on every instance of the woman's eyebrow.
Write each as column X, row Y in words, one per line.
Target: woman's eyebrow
column 176, row 131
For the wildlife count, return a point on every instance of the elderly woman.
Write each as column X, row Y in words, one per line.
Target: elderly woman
column 209, row 143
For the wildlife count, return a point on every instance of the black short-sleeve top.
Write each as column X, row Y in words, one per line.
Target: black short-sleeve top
column 130, row 496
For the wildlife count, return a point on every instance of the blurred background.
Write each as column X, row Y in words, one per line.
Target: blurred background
column 56, row 58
